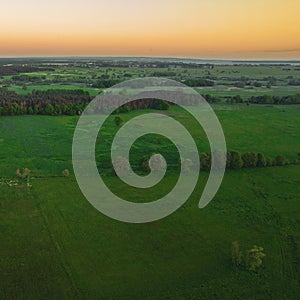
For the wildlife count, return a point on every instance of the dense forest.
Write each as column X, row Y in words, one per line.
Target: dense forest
column 50, row 102
column 63, row 102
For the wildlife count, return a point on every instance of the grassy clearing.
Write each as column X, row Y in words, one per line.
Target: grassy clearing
column 43, row 143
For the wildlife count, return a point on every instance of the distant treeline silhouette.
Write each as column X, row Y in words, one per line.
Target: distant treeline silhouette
column 15, row 69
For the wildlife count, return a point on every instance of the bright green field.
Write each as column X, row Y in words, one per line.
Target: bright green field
column 43, row 143
column 53, row 242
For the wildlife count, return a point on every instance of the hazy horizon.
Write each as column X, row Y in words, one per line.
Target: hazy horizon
column 146, row 57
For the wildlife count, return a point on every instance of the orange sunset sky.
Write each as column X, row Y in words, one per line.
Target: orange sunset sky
column 266, row 29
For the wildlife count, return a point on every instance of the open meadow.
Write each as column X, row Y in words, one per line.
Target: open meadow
column 55, row 243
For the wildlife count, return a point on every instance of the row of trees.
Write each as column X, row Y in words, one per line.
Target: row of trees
column 236, row 160
column 265, row 99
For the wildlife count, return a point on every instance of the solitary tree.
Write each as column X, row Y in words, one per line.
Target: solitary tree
column 66, row 173
column 254, row 258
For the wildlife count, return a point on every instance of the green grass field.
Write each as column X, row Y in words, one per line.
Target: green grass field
column 56, row 243
column 43, row 143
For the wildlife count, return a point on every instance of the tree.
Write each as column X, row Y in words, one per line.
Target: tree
column 269, row 162
column 280, row 160
column 49, row 109
column 236, row 161
column 66, row 173
column 30, row 111
column 25, row 173
column 254, row 258
column 249, row 160
column 205, row 161
column 257, row 84
column 144, row 164
column 118, row 121
column 228, row 159
column 261, row 160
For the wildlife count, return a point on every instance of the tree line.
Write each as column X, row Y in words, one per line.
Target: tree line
column 14, row 70
column 65, row 102
column 236, row 160
column 265, row 99
column 49, row 102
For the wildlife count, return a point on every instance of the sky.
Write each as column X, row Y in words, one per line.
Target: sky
column 220, row 29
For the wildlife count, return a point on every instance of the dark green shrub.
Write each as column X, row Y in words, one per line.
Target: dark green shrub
column 236, row 161
column 280, row 160
column 249, row 160
column 269, row 162
column 261, row 160
column 144, row 164
column 205, row 161
column 118, row 120
column 254, row 258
